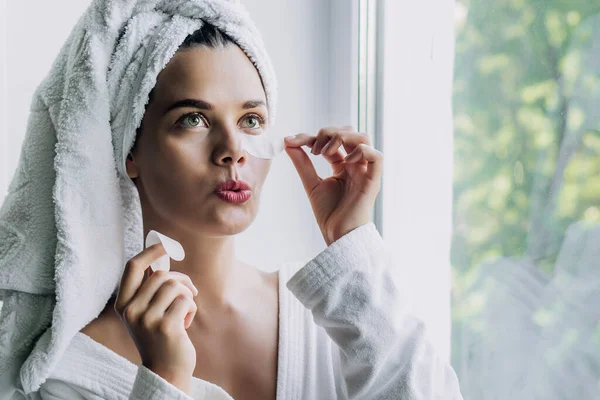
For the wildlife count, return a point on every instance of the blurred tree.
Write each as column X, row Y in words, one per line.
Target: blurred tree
column 527, row 139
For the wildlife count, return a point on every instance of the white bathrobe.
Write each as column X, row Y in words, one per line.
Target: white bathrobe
column 346, row 333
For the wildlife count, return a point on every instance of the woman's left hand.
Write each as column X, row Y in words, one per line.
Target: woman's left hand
column 343, row 201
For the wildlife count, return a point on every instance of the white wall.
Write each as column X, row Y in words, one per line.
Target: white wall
column 296, row 35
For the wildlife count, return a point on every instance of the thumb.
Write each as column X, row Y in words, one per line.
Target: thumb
column 308, row 175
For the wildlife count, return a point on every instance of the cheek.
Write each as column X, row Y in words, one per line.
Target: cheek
column 190, row 157
column 174, row 166
column 261, row 169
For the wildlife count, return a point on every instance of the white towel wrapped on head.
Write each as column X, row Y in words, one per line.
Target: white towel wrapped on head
column 72, row 217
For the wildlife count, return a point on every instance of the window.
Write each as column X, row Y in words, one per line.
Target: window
column 405, row 76
column 526, row 239
column 488, row 113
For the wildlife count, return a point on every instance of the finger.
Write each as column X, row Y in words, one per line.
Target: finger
column 181, row 309
column 159, row 304
column 332, row 152
column 133, row 274
column 152, row 285
column 352, row 139
column 147, row 274
column 333, row 145
column 299, row 140
column 349, row 140
column 374, row 159
column 336, row 158
column 323, row 137
column 308, row 175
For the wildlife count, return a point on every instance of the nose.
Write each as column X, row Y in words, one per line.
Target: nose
column 229, row 150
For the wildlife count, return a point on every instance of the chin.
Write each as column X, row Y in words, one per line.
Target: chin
column 229, row 228
column 231, row 222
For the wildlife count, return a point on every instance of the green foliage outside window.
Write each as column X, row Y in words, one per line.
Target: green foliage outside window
column 527, row 142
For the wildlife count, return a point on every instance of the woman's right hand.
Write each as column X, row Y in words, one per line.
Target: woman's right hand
column 157, row 310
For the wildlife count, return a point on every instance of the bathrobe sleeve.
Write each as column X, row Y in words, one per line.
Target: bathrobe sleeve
column 151, row 386
column 147, row 386
column 383, row 350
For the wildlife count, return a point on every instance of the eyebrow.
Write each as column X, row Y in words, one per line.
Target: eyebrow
column 203, row 105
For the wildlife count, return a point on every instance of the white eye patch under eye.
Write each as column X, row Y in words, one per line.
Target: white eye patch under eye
column 263, row 146
column 172, row 246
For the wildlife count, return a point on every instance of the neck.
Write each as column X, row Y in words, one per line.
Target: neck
column 210, row 262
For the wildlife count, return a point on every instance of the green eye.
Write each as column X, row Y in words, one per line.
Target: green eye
column 252, row 122
column 194, row 120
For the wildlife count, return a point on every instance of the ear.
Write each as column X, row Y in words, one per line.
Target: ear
column 132, row 171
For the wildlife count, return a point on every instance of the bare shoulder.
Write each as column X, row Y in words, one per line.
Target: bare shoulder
column 269, row 285
column 271, row 279
column 108, row 330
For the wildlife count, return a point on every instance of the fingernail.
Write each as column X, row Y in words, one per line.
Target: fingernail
column 292, row 137
column 196, row 291
column 326, row 147
column 352, row 157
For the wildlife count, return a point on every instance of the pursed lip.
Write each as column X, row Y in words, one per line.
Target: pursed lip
column 232, row 185
column 234, row 192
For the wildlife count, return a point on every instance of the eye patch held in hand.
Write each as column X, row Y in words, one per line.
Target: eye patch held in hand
column 172, row 246
column 263, row 146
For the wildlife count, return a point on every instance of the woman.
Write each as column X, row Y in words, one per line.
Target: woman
column 213, row 327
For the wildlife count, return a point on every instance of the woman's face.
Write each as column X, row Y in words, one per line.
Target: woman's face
column 204, row 101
